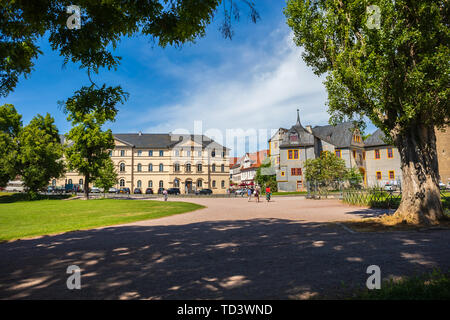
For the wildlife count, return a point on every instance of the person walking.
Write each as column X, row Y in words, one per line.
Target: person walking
column 166, row 194
column 249, row 193
column 268, row 193
column 257, row 194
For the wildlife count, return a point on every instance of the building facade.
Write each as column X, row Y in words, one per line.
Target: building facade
column 244, row 168
column 443, row 151
column 166, row 161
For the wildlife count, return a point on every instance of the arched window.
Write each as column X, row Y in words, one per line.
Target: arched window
column 199, row 183
column 80, row 182
column 139, row 167
column 150, row 183
column 150, row 167
column 176, row 183
column 161, row 184
column 213, row 168
column 70, row 181
column 222, row 168
column 176, row 167
column 223, row 184
column 139, row 184
column 122, row 167
column 161, row 167
column 199, row 167
column 188, row 167
column 214, row 183
column 54, row 182
column 213, row 153
column 122, row 182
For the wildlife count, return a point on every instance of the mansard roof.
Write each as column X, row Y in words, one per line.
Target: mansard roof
column 339, row 135
column 297, row 136
column 376, row 139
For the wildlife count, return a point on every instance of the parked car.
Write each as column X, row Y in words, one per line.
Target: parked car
column 149, row 191
column 390, row 187
column 51, row 189
column 113, row 190
column 442, row 185
column 124, row 190
column 173, row 191
column 95, row 190
column 137, row 191
column 241, row 192
column 204, row 191
column 160, row 190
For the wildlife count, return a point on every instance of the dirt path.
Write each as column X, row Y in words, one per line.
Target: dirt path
column 233, row 249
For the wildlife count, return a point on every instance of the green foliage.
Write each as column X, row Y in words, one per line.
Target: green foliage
column 354, row 177
column 103, row 24
column 327, row 169
column 396, row 75
column 264, row 179
column 40, row 152
column 10, row 125
column 107, row 177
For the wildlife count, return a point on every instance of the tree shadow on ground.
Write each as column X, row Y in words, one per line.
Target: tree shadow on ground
column 247, row 259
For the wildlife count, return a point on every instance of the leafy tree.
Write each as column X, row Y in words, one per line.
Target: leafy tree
column 265, row 176
column 40, row 153
column 107, row 176
column 354, row 177
column 325, row 170
column 395, row 71
column 88, row 146
column 10, row 126
column 103, row 23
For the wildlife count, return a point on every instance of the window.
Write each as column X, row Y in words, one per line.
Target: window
column 364, row 155
column 80, row 182
column 278, row 160
column 139, row 153
column 161, row 167
column 390, row 153
column 222, row 168
column 354, row 154
column 377, row 154
column 337, row 153
column 139, row 184
column 296, row 171
column 150, row 183
column 176, row 167
column 110, row 153
column 293, row 154
column 122, row 182
column 122, row 167
column 213, row 153
column 161, row 184
column 188, row 167
column 275, row 145
column 70, row 181
column 188, row 153
column 176, row 183
column 122, row 153
column 378, row 175
column 139, row 167
column 150, row 167
column 214, row 183
column 223, row 154
column 222, row 184
column 199, row 167
column 54, row 182
column 150, row 153
column 283, row 173
column 199, row 153
column 199, row 183
column 391, row 175
column 161, row 153
column 213, row 168
column 177, row 153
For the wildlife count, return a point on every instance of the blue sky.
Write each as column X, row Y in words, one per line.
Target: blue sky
column 256, row 81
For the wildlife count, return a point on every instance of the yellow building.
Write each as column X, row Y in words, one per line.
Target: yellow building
column 166, row 161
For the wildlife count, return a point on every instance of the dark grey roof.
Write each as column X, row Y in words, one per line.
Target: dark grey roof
column 162, row 140
column 304, row 138
column 339, row 135
column 376, row 139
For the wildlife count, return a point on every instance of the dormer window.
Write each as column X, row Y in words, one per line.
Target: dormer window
column 293, row 137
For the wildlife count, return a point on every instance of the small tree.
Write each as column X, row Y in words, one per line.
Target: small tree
column 354, row 177
column 265, row 176
column 10, row 126
column 88, row 146
column 40, row 153
column 107, row 176
column 326, row 169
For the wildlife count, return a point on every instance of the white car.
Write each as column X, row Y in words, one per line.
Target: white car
column 442, row 185
column 95, row 190
column 390, row 187
column 240, row 192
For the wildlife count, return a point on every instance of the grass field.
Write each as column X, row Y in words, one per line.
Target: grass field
column 21, row 219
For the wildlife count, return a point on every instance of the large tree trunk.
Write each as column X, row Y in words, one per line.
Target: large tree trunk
column 86, row 187
column 421, row 200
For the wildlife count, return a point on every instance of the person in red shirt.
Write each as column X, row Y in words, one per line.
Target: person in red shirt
column 268, row 194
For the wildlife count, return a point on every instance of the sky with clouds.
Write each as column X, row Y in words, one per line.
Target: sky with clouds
column 254, row 82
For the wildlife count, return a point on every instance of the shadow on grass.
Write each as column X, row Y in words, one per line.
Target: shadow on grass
column 16, row 197
column 234, row 259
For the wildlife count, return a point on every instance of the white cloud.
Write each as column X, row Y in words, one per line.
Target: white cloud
column 259, row 87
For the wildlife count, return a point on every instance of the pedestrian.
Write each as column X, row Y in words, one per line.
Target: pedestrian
column 249, row 193
column 166, row 194
column 257, row 194
column 268, row 193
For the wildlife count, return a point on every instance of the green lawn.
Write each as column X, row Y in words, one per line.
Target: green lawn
column 23, row 219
